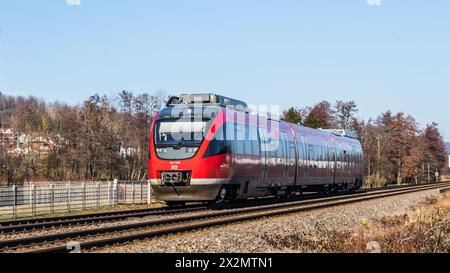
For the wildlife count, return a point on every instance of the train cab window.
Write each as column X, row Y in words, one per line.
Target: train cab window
column 218, row 145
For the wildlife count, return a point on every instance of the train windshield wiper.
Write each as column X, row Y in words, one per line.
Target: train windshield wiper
column 180, row 145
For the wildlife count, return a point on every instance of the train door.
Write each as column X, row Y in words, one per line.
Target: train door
column 340, row 163
column 333, row 160
column 306, row 159
column 292, row 159
column 347, row 155
column 284, row 159
column 295, row 157
column 326, row 160
column 263, row 145
column 300, row 161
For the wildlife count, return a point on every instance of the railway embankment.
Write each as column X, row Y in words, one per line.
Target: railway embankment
column 415, row 222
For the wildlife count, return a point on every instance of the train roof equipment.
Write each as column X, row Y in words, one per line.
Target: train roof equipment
column 207, row 99
column 211, row 99
column 341, row 132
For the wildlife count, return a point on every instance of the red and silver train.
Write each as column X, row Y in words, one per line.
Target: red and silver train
column 207, row 148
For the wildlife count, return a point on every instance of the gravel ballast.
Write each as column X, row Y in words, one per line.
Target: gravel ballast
column 256, row 236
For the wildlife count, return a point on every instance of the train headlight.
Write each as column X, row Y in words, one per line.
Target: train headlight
column 161, row 150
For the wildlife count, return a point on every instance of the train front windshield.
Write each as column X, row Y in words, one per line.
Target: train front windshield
column 179, row 139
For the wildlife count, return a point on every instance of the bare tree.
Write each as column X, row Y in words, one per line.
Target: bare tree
column 345, row 112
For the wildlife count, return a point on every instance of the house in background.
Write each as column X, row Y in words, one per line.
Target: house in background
column 8, row 140
column 34, row 144
column 16, row 144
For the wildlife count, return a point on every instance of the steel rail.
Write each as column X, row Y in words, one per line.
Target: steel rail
column 70, row 217
column 232, row 216
column 60, row 221
column 94, row 218
column 67, row 221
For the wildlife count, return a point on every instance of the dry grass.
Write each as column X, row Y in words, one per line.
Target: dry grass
column 425, row 229
column 374, row 181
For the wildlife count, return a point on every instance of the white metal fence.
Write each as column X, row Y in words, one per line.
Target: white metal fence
column 34, row 200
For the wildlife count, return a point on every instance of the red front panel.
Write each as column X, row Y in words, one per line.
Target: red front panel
column 201, row 168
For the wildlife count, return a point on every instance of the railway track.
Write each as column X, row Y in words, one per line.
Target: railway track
column 104, row 236
column 63, row 221
column 23, row 225
column 8, row 227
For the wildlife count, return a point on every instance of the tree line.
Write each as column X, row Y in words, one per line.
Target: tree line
column 102, row 139
column 396, row 149
column 107, row 137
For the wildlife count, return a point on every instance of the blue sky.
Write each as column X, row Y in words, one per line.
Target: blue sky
column 288, row 52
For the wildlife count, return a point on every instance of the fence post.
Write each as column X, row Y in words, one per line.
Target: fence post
column 69, row 193
column 134, row 190
column 98, row 194
column 52, row 196
column 83, row 189
column 33, row 201
column 125, row 193
column 142, row 192
column 115, row 192
column 149, row 193
column 31, row 194
column 14, row 189
column 109, row 193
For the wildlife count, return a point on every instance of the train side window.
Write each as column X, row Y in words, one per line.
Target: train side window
column 254, row 141
column 324, row 152
column 322, row 156
column 328, row 151
column 239, row 139
column 271, row 153
column 248, row 147
column 292, row 151
column 311, row 153
column 301, row 151
column 339, row 153
column 247, row 142
column 284, row 147
column 317, row 153
column 280, row 149
column 235, row 140
column 237, row 147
